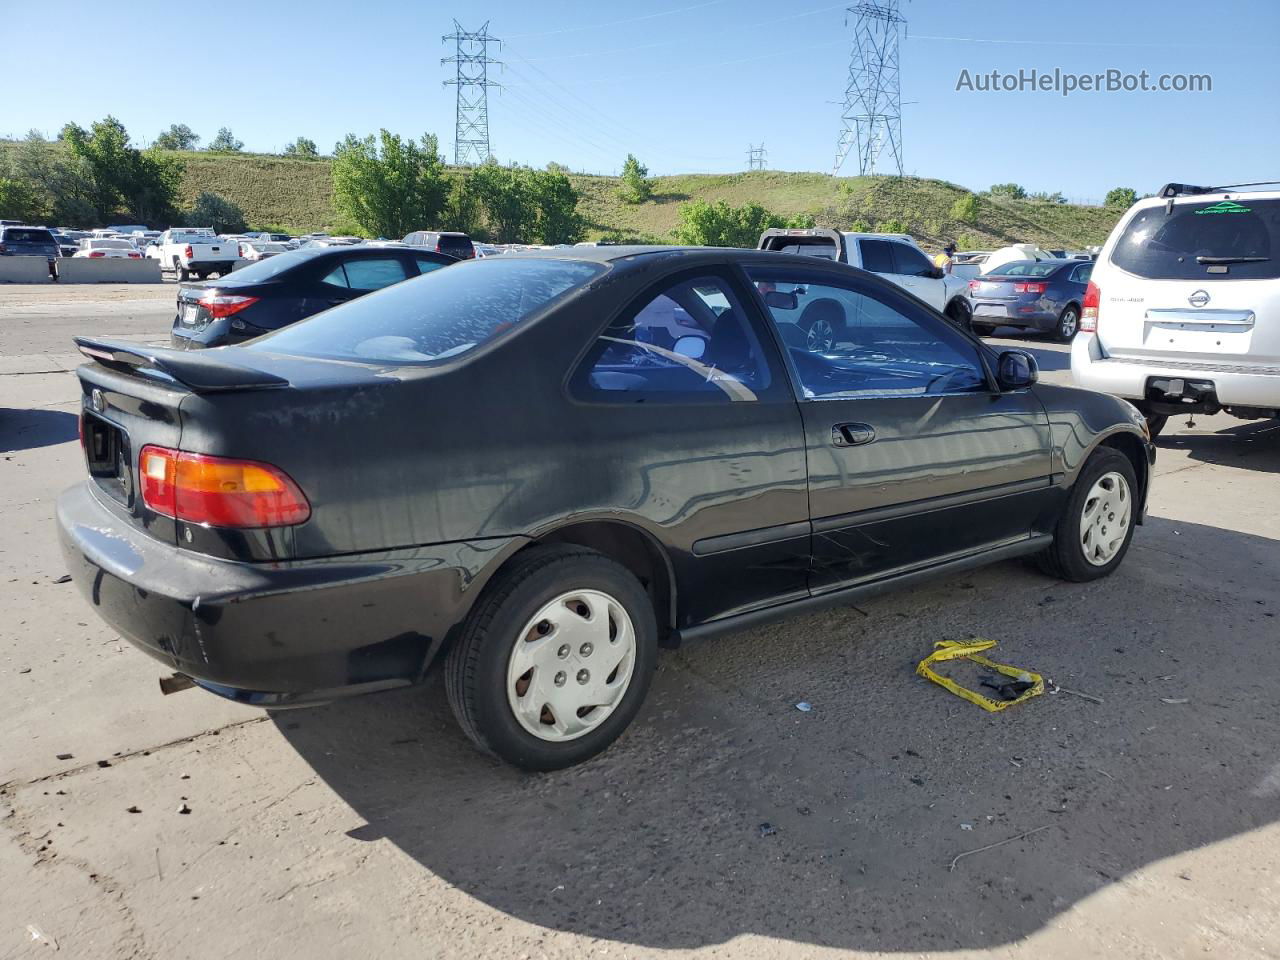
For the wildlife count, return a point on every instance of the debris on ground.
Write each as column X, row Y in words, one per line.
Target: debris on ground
column 991, row 846
column 40, row 936
column 104, row 763
column 767, row 829
column 25, row 670
column 1020, row 684
column 1174, row 700
column 133, row 809
column 804, row 706
column 1054, row 688
column 65, row 578
column 966, row 826
column 184, row 809
column 66, row 756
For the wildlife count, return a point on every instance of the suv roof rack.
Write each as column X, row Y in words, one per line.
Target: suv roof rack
column 1171, row 190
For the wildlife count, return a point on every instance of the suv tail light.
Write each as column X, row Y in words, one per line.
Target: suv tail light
column 219, row 491
column 222, row 305
column 2, row 248
column 1030, row 287
column 1089, row 309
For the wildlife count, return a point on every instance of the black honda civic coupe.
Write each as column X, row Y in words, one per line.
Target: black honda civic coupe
column 532, row 471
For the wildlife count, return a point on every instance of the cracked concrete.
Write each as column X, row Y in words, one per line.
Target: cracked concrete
column 372, row 828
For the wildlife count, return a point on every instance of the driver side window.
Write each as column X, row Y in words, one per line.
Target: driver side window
column 846, row 343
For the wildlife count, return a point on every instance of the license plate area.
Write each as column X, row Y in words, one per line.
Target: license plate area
column 106, row 456
column 190, row 315
column 990, row 310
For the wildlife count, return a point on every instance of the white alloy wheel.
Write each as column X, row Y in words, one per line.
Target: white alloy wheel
column 1104, row 522
column 571, row 665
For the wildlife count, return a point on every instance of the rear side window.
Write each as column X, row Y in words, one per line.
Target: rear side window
column 1224, row 240
column 877, row 256
column 426, row 266
column 436, row 317
column 459, row 247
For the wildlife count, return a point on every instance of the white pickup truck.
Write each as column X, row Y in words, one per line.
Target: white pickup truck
column 895, row 256
column 195, row 251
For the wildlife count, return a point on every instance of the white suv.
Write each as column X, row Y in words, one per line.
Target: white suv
column 1182, row 313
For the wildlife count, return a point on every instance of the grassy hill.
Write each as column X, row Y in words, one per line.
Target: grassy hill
column 297, row 195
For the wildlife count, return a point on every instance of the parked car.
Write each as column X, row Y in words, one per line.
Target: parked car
column 115, row 248
column 68, row 241
column 28, row 242
column 453, row 243
column 195, row 251
column 273, row 293
column 496, row 470
column 895, row 256
column 1043, row 295
column 1182, row 313
column 260, row 249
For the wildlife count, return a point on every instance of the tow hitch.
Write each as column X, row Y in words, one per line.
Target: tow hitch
column 1177, row 395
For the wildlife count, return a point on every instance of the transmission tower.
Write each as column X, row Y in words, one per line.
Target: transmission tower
column 471, row 56
column 756, row 157
column 871, row 117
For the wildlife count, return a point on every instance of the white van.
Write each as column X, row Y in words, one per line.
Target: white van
column 1182, row 313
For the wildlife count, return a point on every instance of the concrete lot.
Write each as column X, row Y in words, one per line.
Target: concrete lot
column 371, row 828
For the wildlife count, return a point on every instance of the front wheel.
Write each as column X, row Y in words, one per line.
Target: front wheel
column 555, row 660
column 1068, row 323
column 821, row 335
column 1096, row 526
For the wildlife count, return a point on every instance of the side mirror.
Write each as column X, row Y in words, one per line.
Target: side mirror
column 781, row 301
column 691, row 347
column 938, row 273
column 1016, row 369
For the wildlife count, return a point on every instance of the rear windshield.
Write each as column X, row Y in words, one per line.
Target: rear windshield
column 273, row 267
column 441, row 315
column 1026, row 268
column 459, row 247
column 1224, row 240
column 14, row 235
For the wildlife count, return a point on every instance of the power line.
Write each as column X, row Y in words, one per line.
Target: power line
column 871, row 118
column 615, row 23
column 471, row 125
column 756, row 157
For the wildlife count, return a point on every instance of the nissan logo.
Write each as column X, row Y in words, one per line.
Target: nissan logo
column 1199, row 298
column 97, row 401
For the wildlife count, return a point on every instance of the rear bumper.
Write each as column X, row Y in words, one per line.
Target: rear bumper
column 1242, row 386
column 1036, row 318
column 274, row 634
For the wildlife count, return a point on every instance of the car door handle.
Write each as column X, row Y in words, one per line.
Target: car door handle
column 852, row 434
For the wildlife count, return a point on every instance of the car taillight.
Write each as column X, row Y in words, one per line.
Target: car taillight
column 135, row 256
column 187, row 252
column 2, row 248
column 974, row 284
column 219, row 491
column 1089, row 309
column 96, row 253
column 224, row 305
column 1029, row 287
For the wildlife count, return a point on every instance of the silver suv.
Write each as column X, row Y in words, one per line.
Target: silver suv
column 1182, row 314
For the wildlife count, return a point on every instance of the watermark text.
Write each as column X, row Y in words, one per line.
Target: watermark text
column 1066, row 83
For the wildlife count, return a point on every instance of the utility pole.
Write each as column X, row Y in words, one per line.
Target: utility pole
column 756, row 157
column 871, row 117
column 471, row 57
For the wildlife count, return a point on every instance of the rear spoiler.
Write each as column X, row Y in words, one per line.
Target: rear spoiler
column 201, row 371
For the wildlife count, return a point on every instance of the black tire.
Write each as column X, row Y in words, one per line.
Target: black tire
column 981, row 329
column 1065, row 558
column 1155, row 423
column 476, row 668
column 959, row 313
column 1068, row 324
column 181, row 272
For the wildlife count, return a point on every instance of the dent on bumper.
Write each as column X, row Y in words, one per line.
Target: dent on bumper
column 272, row 634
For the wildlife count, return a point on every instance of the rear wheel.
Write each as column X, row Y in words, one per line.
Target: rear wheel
column 1068, row 324
column 179, row 271
column 958, row 313
column 1096, row 526
column 555, row 660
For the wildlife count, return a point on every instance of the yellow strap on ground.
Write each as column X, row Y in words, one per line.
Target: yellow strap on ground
column 970, row 650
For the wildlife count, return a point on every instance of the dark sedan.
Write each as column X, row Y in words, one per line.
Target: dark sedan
column 288, row 287
column 533, row 470
column 1043, row 295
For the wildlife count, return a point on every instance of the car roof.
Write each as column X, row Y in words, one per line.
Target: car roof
column 640, row 255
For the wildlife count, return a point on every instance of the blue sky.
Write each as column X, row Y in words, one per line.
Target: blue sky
column 686, row 85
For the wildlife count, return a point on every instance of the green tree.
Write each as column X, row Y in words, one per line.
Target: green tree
column 225, row 142
column 388, row 185
column 178, row 137
column 462, row 209
column 636, row 186
column 718, row 224
column 1121, row 198
column 18, row 201
column 1013, row 191
column 965, row 209
column 556, row 205
column 56, row 183
column 117, row 172
column 302, row 147
column 216, row 211
column 891, row 225
column 1045, row 197
column 505, row 193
